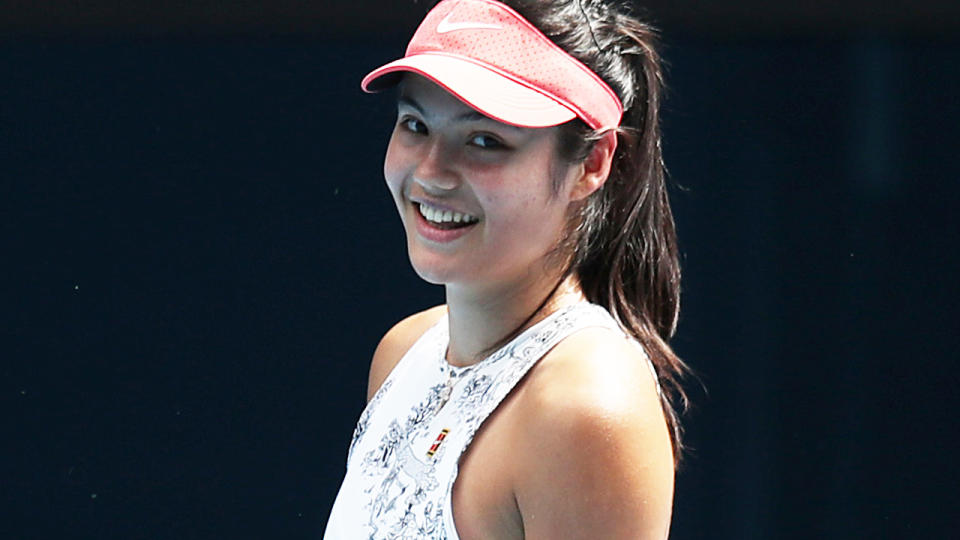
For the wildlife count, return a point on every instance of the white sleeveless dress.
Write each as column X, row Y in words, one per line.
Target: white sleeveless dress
column 404, row 457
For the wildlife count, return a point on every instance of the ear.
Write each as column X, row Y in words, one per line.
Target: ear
column 596, row 167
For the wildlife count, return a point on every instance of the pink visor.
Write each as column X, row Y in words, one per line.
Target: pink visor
column 492, row 59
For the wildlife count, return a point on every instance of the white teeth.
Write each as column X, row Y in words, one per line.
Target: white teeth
column 437, row 215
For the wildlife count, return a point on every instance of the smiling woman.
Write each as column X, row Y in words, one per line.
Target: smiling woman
column 538, row 402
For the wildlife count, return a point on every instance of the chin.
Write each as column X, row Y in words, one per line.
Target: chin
column 435, row 269
column 431, row 267
column 430, row 278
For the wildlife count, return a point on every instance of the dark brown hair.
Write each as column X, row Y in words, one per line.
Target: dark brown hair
column 624, row 243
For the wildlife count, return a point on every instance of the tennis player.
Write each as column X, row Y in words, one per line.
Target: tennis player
column 539, row 401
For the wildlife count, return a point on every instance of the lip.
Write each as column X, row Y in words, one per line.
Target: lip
column 440, row 236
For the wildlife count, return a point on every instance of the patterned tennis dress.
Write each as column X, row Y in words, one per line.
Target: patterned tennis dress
column 404, row 456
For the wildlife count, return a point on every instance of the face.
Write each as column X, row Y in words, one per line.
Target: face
column 475, row 195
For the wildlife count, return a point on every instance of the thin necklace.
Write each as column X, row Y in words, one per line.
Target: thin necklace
column 454, row 375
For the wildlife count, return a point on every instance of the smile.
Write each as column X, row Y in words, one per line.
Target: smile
column 445, row 218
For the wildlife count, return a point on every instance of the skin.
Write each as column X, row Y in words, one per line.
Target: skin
column 580, row 448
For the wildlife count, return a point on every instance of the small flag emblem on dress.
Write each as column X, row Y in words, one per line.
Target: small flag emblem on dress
column 436, row 443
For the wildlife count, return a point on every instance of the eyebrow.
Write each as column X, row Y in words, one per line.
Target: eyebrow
column 467, row 116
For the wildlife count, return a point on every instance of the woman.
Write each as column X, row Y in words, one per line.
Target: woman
column 538, row 402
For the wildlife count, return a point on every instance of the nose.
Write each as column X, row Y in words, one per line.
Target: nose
column 435, row 173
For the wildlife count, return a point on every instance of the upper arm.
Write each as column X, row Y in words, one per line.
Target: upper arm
column 598, row 461
column 396, row 342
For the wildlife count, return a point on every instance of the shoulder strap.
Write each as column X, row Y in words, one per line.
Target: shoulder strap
column 485, row 389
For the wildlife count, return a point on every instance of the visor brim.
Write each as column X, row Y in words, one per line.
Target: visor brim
column 483, row 89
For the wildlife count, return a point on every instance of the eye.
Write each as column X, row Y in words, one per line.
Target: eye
column 413, row 125
column 487, row 141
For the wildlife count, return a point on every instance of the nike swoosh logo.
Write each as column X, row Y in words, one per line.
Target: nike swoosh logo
column 446, row 26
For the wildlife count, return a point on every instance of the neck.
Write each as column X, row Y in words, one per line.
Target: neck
column 481, row 318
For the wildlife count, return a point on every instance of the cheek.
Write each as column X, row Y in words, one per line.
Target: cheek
column 526, row 216
column 393, row 167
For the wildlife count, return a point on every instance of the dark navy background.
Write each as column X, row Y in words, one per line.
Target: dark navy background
column 199, row 256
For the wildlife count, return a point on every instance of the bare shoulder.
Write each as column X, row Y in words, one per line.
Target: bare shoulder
column 396, row 342
column 596, row 451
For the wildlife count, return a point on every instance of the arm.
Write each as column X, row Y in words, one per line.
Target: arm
column 396, row 342
column 597, row 456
